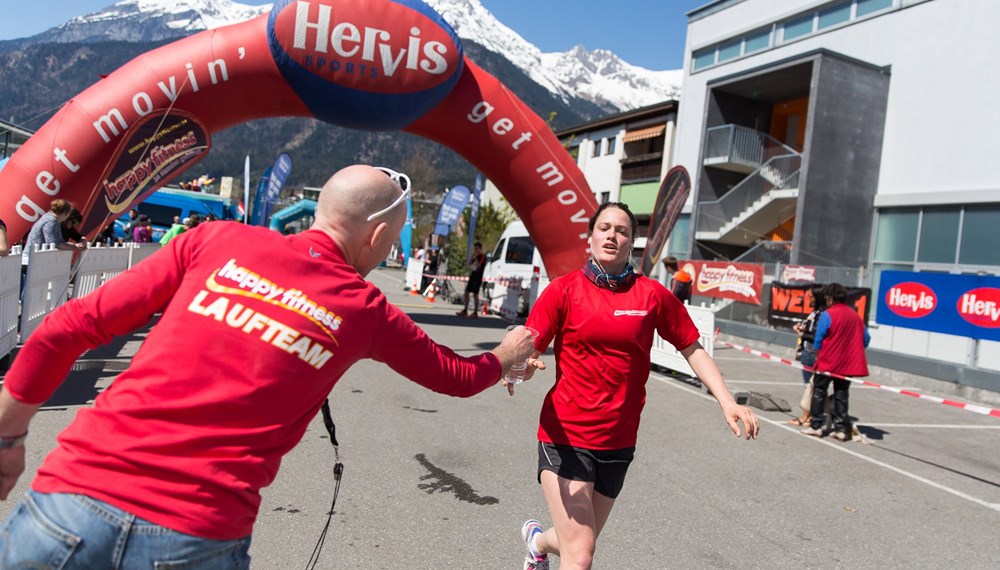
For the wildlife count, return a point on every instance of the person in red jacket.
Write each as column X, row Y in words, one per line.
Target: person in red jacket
column 841, row 339
column 602, row 320
column 168, row 464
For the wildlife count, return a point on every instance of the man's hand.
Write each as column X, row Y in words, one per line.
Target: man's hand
column 736, row 413
column 11, row 467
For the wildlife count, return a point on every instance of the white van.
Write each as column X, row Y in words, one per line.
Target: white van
column 514, row 257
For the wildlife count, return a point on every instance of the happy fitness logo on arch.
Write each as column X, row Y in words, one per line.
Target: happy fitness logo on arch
column 911, row 300
column 377, row 46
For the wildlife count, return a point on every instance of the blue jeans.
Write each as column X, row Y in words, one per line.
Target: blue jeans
column 63, row 531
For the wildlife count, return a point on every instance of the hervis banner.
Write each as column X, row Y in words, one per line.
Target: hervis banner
column 961, row 305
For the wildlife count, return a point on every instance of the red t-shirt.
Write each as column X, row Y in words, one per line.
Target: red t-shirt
column 256, row 329
column 602, row 344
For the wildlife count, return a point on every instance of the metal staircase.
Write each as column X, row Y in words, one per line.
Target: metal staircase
column 759, row 203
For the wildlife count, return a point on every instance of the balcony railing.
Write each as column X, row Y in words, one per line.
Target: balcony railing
column 778, row 173
column 741, row 148
column 767, row 252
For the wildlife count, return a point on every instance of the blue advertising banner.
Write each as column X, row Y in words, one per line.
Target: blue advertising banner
column 258, row 199
column 473, row 214
column 275, row 180
column 962, row 305
column 451, row 210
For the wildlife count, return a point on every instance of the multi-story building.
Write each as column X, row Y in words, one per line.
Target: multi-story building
column 11, row 138
column 847, row 134
column 625, row 156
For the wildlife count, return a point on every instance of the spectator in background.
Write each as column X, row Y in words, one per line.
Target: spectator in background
column 143, row 232
column 48, row 230
column 107, row 235
column 71, row 227
column 477, row 264
column 680, row 284
column 133, row 218
column 175, row 230
column 841, row 339
column 807, row 351
column 4, row 242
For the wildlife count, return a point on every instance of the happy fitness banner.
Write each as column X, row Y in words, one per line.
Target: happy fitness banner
column 741, row 282
column 962, row 305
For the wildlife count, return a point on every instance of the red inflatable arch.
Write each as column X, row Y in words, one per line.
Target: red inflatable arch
column 375, row 65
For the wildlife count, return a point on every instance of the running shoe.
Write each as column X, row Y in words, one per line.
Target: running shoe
column 529, row 529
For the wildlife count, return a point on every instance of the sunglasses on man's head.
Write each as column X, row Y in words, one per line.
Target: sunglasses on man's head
column 401, row 180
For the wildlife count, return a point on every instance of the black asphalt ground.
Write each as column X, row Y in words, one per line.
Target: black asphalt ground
column 438, row 482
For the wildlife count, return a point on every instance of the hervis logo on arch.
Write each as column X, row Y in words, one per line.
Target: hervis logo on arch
column 378, row 46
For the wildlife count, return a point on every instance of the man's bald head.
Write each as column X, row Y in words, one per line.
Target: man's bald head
column 354, row 193
column 346, row 201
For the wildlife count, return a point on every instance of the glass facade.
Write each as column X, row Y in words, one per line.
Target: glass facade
column 953, row 239
column 866, row 7
column 834, row 15
column 796, row 27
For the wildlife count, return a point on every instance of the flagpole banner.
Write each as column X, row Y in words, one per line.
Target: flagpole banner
column 960, row 305
column 451, row 210
column 152, row 152
column 790, row 303
column 670, row 200
column 276, row 177
column 257, row 210
column 741, row 282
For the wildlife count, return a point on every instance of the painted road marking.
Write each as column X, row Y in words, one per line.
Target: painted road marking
column 842, row 448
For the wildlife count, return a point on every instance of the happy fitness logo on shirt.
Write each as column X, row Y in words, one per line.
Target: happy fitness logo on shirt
column 233, row 280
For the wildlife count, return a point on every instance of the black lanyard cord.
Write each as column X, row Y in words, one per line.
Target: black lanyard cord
column 338, row 471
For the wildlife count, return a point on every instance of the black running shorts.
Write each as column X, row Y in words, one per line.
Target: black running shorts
column 604, row 468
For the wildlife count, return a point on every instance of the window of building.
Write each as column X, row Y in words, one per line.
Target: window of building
column 605, row 197
column 797, row 28
column 866, row 7
column 574, row 151
column 979, row 236
column 837, row 14
column 926, row 239
column 612, row 143
column 730, row 50
column 939, row 235
column 704, row 58
column 896, row 237
column 757, row 41
column 596, row 150
column 679, row 237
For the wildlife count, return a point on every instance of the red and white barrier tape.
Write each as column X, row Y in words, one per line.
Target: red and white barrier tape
column 960, row 405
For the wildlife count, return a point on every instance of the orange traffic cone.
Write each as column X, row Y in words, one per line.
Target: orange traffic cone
column 429, row 294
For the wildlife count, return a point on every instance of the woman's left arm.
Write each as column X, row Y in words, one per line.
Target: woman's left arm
column 706, row 371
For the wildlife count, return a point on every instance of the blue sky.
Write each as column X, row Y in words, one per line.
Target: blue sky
column 648, row 33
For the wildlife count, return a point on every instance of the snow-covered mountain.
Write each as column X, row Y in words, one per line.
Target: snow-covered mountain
column 151, row 20
column 598, row 76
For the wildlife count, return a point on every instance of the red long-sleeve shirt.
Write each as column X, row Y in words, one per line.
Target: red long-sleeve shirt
column 256, row 329
column 602, row 344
